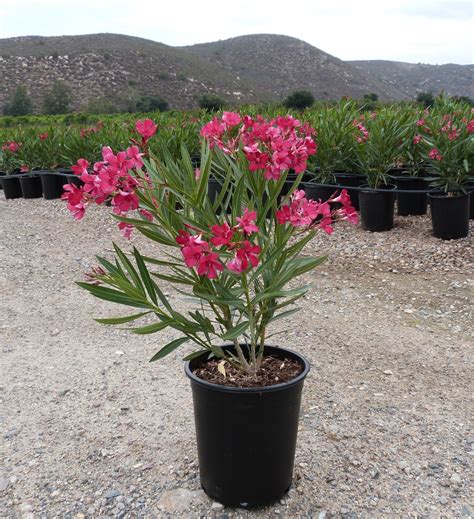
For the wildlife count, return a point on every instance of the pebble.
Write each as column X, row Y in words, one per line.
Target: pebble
column 443, row 500
column 179, row 500
column 322, row 514
column 456, row 479
column 112, row 493
column 4, row 483
column 217, row 506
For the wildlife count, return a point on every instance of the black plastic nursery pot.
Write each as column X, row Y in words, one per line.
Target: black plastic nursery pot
column 376, row 208
column 214, row 189
column 470, row 188
column 74, row 179
column 411, row 203
column 318, row 192
column 52, row 184
column 2, row 174
column 450, row 216
column 31, row 186
column 246, row 437
column 11, row 186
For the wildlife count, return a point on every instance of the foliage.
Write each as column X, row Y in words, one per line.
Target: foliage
column 58, row 99
column 426, row 99
column 20, row 104
column 211, row 103
column 299, row 100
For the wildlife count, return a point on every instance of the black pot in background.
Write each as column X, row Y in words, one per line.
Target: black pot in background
column 31, row 186
column 246, row 437
column 470, row 189
column 74, row 179
column 450, row 216
column 353, row 180
column 376, row 209
column 411, row 203
column 318, row 192
column 2, row 174
column 214, row 189
column 11, row 186
column 52, row 184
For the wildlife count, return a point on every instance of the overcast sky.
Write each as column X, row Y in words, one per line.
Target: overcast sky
column 426, row 31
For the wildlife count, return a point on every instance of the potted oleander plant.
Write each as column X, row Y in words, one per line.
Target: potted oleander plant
column 379, row 141
column 449, row 145
column 234, row 267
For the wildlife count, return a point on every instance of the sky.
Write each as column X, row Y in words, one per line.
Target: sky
column 415, row 31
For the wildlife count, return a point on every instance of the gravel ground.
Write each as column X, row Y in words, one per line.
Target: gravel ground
column 91, row 429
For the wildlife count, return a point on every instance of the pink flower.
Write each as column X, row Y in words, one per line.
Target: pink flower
column 434, row 154
column 75, row 200
column 417, row 139
column 24, row 168
column 222, row 234
column 301, row 212
column 146, row 214
column 231, row 118
column 197, row 174
column 453, row 134
column 192, row 254
column 470, row 126
column 43, row 136
column 146, row 128
column 126, row 229
column 135, row 157
column 247, row 254
column 80, row 167
column 420, row 122
column 247, row 221
column 185, row 239
column 209, row 264
column 11, row 146
column 124, row 202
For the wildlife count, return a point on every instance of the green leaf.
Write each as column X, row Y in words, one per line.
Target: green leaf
column 287, row 313
column 121, row 320
column 151, row 328
column 108, row 294
column 168, row 348
column 147, row 281
column 236, row 331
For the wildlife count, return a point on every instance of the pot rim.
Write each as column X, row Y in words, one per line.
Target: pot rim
column 444, row 196
column 388, row 188
column 249, row 390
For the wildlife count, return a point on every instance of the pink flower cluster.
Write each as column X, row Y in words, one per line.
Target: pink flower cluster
column 270, row 146
column 470, row 126
column 301, row 212
column 417, row 138
column 43, row 136
column 110, row 180
column 197, row 252
column 11, row 146
column 434, row 154
column 363, row 131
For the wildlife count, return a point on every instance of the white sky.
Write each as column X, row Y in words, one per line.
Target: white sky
column 426, row 31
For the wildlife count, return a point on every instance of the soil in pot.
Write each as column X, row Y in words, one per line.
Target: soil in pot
column 450, row 216
column 411, row 203
column 376, row 209
column 246, row 436
column 11, row 186
column 31, row 186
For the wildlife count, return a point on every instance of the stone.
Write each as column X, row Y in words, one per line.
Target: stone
column 217, row 506
column 112, row 493
column 443, row 500
column 456, row 479
column 322, row 514
column 179, row 500
column 4, row 482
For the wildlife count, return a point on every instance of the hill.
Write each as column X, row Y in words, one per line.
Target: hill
column 280, row 65
column 411, row 78
column 246, row 69
column 108, row 65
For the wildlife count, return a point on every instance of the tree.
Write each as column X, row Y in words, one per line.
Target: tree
column 300, row 100
column 58, row 99
column 426, row 99
column 151, row 104
column 371, row 97
column 20, row 103
column 210, row 102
